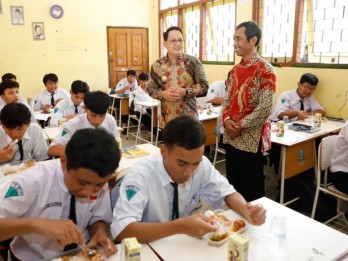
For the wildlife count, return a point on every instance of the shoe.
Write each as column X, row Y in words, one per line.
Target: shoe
column 124, row 132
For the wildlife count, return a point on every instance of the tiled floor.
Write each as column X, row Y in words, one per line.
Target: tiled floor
column 271, row 180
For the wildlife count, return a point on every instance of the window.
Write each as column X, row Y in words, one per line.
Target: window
column 208, row 27
column 303, row 31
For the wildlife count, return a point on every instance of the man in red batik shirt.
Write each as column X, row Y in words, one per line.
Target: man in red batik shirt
column 247, row 105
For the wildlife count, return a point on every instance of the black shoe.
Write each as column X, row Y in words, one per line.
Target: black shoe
column 124, row 132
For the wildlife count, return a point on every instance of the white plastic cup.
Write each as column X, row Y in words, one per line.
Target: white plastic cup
column 278, row 227
column 286, row 119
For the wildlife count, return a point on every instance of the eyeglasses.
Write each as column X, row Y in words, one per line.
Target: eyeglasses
column 176, row 41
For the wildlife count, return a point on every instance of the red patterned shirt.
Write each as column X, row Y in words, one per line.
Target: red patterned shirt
column 249, row 103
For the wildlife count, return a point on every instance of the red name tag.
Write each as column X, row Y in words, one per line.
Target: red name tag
column 93, row 197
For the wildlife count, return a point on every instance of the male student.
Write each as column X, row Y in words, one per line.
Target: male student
column 49, row 98
column 11, row 76
column 217, row 91
column 300, row 103
column 9, row 92
column 96, row 105
column 159, row 193
column 19, row 138
column 36, row 205
column 71, row 106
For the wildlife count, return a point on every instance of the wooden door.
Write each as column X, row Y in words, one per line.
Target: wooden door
column 128, row 48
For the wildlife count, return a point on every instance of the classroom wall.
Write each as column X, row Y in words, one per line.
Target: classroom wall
column 332, row 90
column 75, row 45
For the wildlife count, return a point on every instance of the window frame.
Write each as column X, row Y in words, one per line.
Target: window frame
column 202, row 28
column 299, row 9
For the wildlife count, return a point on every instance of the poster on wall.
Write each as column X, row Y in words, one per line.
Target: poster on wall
column 17, row 15
column 38, row 29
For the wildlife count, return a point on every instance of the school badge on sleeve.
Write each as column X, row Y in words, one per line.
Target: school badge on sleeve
column 131, row 190
column 15, row 190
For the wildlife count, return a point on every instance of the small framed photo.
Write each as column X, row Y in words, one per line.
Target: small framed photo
column 38, row 29
column 17, row 15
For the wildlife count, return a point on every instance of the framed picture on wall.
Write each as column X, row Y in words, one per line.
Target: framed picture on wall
column 17, row 15
column 38, row 29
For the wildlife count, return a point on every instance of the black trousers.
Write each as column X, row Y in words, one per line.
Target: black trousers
column 340, row 180
column 244, row 171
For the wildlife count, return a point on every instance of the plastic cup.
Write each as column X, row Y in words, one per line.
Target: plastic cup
column 278, row 227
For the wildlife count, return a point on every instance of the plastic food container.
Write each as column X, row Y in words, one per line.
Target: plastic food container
column 217, row 238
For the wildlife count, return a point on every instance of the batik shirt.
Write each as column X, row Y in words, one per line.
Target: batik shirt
column 249, row 102
column 186, row 73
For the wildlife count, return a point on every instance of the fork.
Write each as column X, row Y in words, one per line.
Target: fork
column 88, row 251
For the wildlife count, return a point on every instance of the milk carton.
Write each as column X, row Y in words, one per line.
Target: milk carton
column 238, row 247
column 131, row 249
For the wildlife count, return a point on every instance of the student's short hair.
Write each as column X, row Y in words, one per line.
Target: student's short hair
column 93, row 149
column 8, row 84
column 50, row 77
column 144, row 76
column 310, row 78
column 15, row 115
column 97, row 102
column 8, row 76
column 184, row 131
column 131, row 72
column 172, row 28
column 251, row 29
column 79, row 86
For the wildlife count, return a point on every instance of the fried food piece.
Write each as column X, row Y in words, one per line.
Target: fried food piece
column 238, row 224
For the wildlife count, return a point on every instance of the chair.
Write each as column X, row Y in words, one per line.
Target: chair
column 323, row 163
column 132, row 115
column 217, row 133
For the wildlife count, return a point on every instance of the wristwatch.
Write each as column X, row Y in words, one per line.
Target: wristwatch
column 187, row 92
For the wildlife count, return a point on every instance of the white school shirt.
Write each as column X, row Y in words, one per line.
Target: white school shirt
column 81, row 122
column 40, row 192
column 339, row 156
column 32, row 117
column 140, row 95
column 33, row 141
column 146, row 193
column 63, row 108
column 290, row 101
column 216, row 90
column 45, row 98
column 124, row 82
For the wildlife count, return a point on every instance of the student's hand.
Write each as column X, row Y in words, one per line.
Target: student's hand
column 197, row 225
column 171, row 95
column 233, row 129
column 254, row 214
column 56, row 101
column 102, row 239
column 64, row 231
column 46, row 107
column 302, row 115
column 6, row 153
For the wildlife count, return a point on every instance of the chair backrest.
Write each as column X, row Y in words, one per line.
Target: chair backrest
column 325, row 151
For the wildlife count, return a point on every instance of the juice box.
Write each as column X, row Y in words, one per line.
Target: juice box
column 238, row 247
column 131, row 249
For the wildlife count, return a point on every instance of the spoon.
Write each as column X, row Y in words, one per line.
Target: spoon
column 88, row 251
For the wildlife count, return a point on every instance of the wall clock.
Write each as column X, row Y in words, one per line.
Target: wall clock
column 56, row 11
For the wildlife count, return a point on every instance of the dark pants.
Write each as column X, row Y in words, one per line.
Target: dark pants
column 245, row 172
column 340, row 180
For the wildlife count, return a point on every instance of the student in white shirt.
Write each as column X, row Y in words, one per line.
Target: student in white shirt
column 339, row 160
column 49, row 98
column 123, row 88
column 145, row 208
column 96, row 106
column 216, row 92
column 140, row 94
column 9, row 92
column 300, row 103
column 71, row 106
column 11, row 76
column 16, row 126
column 36, row 204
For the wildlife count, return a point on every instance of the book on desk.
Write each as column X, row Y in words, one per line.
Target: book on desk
column 133, row 152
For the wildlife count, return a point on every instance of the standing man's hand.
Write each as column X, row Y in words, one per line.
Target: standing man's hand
column 233, row 129
column 171, row 95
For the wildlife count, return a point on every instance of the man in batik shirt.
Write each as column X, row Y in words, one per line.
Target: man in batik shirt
column 176, row 79
column 245, row 111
